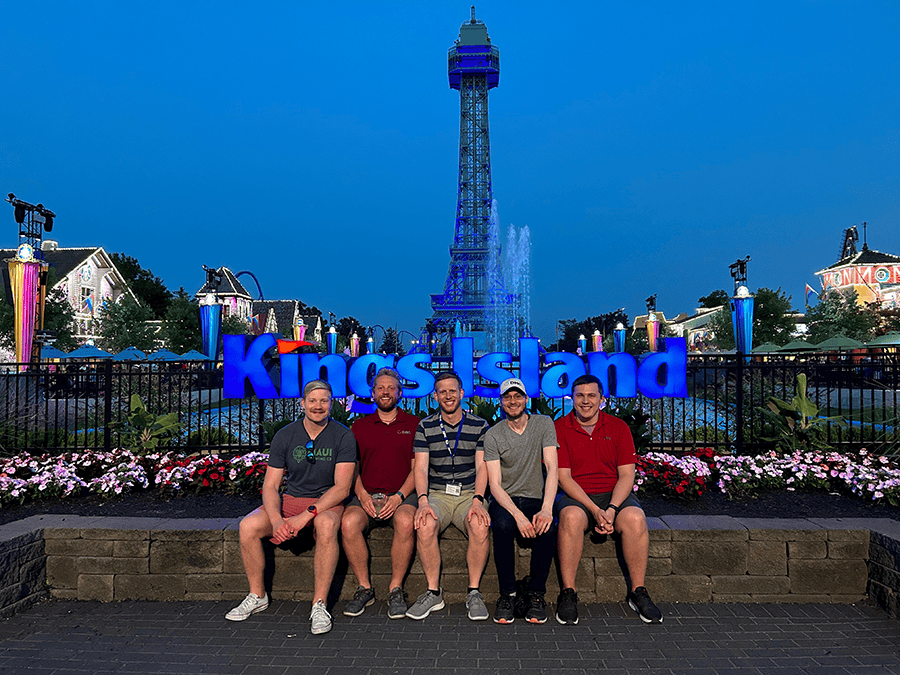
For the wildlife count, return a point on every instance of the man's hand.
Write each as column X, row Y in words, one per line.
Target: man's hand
column 391, row 504
column 526, row 529
column 604, row 525
column 368, row 505
column 423, row 513
column 478, row 513
column 542, row 521
column 290, row 527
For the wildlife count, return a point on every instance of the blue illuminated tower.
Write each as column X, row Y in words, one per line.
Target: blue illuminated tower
column 474, row 297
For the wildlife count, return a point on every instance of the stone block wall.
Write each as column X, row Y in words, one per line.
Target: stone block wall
column 692, row 559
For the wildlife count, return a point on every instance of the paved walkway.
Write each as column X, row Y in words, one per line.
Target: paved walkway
column 68, row 638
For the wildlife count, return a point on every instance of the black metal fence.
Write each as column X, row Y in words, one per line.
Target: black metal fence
column 68, row 406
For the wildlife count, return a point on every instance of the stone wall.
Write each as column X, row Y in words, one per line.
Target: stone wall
column 692, row 559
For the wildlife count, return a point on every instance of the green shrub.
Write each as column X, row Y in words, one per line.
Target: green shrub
column 211, row 436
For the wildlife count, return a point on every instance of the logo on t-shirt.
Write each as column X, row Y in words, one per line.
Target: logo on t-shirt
column 404, row 431
column 301, row 453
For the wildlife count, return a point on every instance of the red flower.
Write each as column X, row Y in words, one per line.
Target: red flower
column 205, row 482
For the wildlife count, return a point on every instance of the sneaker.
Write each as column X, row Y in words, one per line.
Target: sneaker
column 503, row 613
column 520, row 608
column 360, row 600
column 567, row 607
column 639, row 600
column 397, row 603
column 478, row 611
column 427, row 603
column 250, row 605
column 537, row 608
column 321, row 619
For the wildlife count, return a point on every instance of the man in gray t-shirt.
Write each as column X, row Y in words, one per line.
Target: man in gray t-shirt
column 520, row 456
column 319, row 455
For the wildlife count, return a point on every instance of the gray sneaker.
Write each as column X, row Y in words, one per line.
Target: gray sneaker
column 250, row 605
column 427, row 603
column 478, row 611
column 320, row 618
column 360, row 600
column 397, row 604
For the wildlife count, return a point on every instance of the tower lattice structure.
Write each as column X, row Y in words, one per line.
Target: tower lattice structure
column 474, row 297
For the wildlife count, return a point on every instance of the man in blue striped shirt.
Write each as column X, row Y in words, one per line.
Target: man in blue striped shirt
column 450, row 481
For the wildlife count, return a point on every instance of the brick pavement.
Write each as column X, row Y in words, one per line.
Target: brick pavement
column 69, row 638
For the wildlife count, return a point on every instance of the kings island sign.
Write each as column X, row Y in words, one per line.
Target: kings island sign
column 657, row 374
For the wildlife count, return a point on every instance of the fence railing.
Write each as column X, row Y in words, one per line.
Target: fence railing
column 61, row 406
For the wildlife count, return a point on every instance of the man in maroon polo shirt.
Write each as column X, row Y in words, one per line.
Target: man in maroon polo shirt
column 596, row 472
column 385, row 440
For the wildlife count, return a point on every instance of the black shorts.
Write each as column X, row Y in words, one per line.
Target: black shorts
column 411, row 500
column 601, row 499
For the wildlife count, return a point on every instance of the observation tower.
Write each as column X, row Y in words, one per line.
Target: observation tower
column 475, row 300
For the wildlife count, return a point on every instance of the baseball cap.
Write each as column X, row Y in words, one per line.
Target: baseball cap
column 512, row 383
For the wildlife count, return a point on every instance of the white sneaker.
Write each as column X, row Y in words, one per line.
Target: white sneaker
column 321, row 619
column 251, row 605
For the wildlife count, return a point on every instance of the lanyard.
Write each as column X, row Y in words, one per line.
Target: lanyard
column 455, row 444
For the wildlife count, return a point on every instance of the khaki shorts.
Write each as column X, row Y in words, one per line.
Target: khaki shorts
column 450, row 509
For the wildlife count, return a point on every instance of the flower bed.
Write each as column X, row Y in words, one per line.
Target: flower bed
column 33, row 478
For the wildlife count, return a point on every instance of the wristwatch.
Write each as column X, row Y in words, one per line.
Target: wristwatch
column 402, row 496
column 312, row 509
column 479, row 498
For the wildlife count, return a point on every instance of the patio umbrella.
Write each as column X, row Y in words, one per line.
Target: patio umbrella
column 163, row 355
column 885, row 340
column 797, row 346
column 194, row 355
column 838, row 343
column 88, row 352
column 766, row 348
column 130, row 354
column 48, row 352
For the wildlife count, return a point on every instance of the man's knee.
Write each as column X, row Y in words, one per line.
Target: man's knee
column 354, row 521
column 631, row 522
column 326, row 526
column 428, row 531
column 572, row 521
column 477, row 532
column 254, row 526
column 403, row 522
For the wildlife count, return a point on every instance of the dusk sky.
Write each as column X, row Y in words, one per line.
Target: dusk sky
column 647, row 145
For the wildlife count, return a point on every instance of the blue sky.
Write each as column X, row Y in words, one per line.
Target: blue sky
column 647, row 145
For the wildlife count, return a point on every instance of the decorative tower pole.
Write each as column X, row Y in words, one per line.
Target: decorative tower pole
column 474, row 293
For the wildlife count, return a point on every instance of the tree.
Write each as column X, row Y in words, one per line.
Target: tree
column 771, row 320
column 391, row 344
column 235, row 325
column 181, row 330
column 126, row 324
column 838, row 312
column 149, row 288
column 715, row 299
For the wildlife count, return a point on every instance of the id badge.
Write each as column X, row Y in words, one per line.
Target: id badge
column 454, row 489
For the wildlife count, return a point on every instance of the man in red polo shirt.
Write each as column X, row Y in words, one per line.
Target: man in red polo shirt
column 385, row 440
column 596, row 472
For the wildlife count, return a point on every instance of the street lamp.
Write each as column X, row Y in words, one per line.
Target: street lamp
column 331, row 340
column 619, row 338
column 211, row 314
column 597, row 340
column 742, row 319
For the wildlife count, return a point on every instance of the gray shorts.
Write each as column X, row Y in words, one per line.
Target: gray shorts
column 377, row 522
column 601, row 499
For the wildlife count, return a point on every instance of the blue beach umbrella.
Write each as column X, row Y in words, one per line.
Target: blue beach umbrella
column 163, row 355
column 88, row 352
column 194, row 355
column 130, row 354
column 48, row 352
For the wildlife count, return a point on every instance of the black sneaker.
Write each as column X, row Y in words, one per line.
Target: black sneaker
column 360, row 600
column 504, row 610
column 520, row 608
column 567, row 607
column 639, row 600
column 537, row 608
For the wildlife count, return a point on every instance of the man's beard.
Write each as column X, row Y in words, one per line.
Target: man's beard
column 392, row 405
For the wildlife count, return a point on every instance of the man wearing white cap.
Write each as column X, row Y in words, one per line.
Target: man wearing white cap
column 520, row 456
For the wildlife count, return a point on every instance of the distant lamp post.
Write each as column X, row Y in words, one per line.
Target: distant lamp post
column 370, row 346
column 299, row 330
column 597, row 341
column 652, row 330
column 354, row 345
column 619, row 338
column 582, row 344
column 742, row 319
column 331, row 340
column 210, row 324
